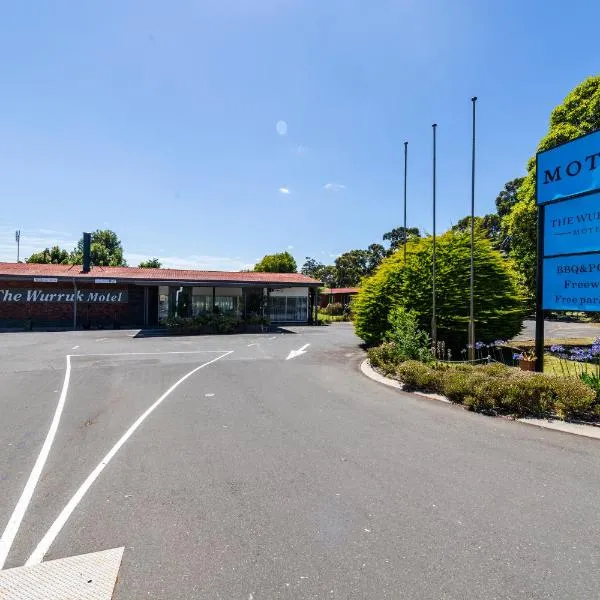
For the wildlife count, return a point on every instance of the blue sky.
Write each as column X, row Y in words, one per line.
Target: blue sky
column 159, row 119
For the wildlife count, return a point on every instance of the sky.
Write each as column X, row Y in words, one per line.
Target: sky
column 211, row 132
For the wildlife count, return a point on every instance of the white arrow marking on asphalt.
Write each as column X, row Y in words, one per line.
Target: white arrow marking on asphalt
column 86, row 576
column 298, row 352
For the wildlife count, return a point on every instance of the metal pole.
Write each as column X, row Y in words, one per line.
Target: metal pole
column 18, row 240
column 405, row 175
column 539, row 310
column 471, row 344
column 433, row 315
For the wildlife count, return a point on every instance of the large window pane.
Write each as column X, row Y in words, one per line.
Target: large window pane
column 288, row 308
column 201, row 304
column 228, row 304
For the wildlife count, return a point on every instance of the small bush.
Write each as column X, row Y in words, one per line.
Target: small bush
column 574, row 399
column 500, row 389
column 410, row 341
column 335, row 309
column 528, row 394
column 415, row 374
column 384, row 357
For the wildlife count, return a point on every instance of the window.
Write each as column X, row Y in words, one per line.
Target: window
column 163, row 302
column 288, row 308
column 201, row 304
column 228, row 304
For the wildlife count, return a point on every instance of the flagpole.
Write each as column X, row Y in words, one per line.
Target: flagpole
column 405, row 176
column 471, row 345
column 433, row 315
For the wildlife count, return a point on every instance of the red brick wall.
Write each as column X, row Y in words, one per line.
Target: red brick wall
column 61, row 313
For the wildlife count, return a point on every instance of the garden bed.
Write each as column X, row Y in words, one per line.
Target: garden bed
column 494, row 388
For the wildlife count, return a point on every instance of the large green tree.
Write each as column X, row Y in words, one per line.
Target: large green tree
column 578, row 114
column 54, row 255
column 312, row 267
column 351, row 267
column 106, row 250
column 508, row 196
column 499, row 306
column 281, row 262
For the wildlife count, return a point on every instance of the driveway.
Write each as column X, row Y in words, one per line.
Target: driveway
column 253, row 476
column 560, row 329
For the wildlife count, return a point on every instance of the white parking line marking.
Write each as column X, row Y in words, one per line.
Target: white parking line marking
column 17, row 516
column 150, row 353
column 44, row 545
column 74, row 347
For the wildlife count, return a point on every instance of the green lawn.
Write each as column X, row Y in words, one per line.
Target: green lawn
column 552, row 365
column 330, row 318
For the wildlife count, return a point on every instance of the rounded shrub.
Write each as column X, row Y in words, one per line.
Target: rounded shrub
column 499, row 297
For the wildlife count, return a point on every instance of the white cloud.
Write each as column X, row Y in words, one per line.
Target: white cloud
column 281, row 127
column 334, row 187
column 284, row 190
column 300, row 149
column 193, row 261
column 290, row 247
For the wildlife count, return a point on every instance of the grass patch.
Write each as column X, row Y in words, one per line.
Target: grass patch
column 567, row 342
column 332, row 318
column 552, row 366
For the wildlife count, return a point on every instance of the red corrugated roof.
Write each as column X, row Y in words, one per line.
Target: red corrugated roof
column 339, row 291
column 70, row 271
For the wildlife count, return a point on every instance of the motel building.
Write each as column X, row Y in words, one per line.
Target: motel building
column 76, row 296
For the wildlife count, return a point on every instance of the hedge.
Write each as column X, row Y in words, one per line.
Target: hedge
column 495, row 388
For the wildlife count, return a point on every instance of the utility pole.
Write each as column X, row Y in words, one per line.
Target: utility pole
column 471, row 344
column 433, row 316
column 405, row 175
column 18, row 240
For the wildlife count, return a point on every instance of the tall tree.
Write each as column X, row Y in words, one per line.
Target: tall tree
column 54, row 255
column 351, row 267
column 396, row 237
column 151, row 263
column 312, row 267
column 578, row 114
column 282, row 262
column 329, row 276
column 106, row 250
column 376, row 253
column 508, row 197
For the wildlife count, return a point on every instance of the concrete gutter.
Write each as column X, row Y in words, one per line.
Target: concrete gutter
column 590, row 431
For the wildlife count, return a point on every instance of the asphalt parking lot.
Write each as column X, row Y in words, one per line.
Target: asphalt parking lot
column 228, row 470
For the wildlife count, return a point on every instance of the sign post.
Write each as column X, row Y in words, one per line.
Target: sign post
column 539, row 310
column 568, row 231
